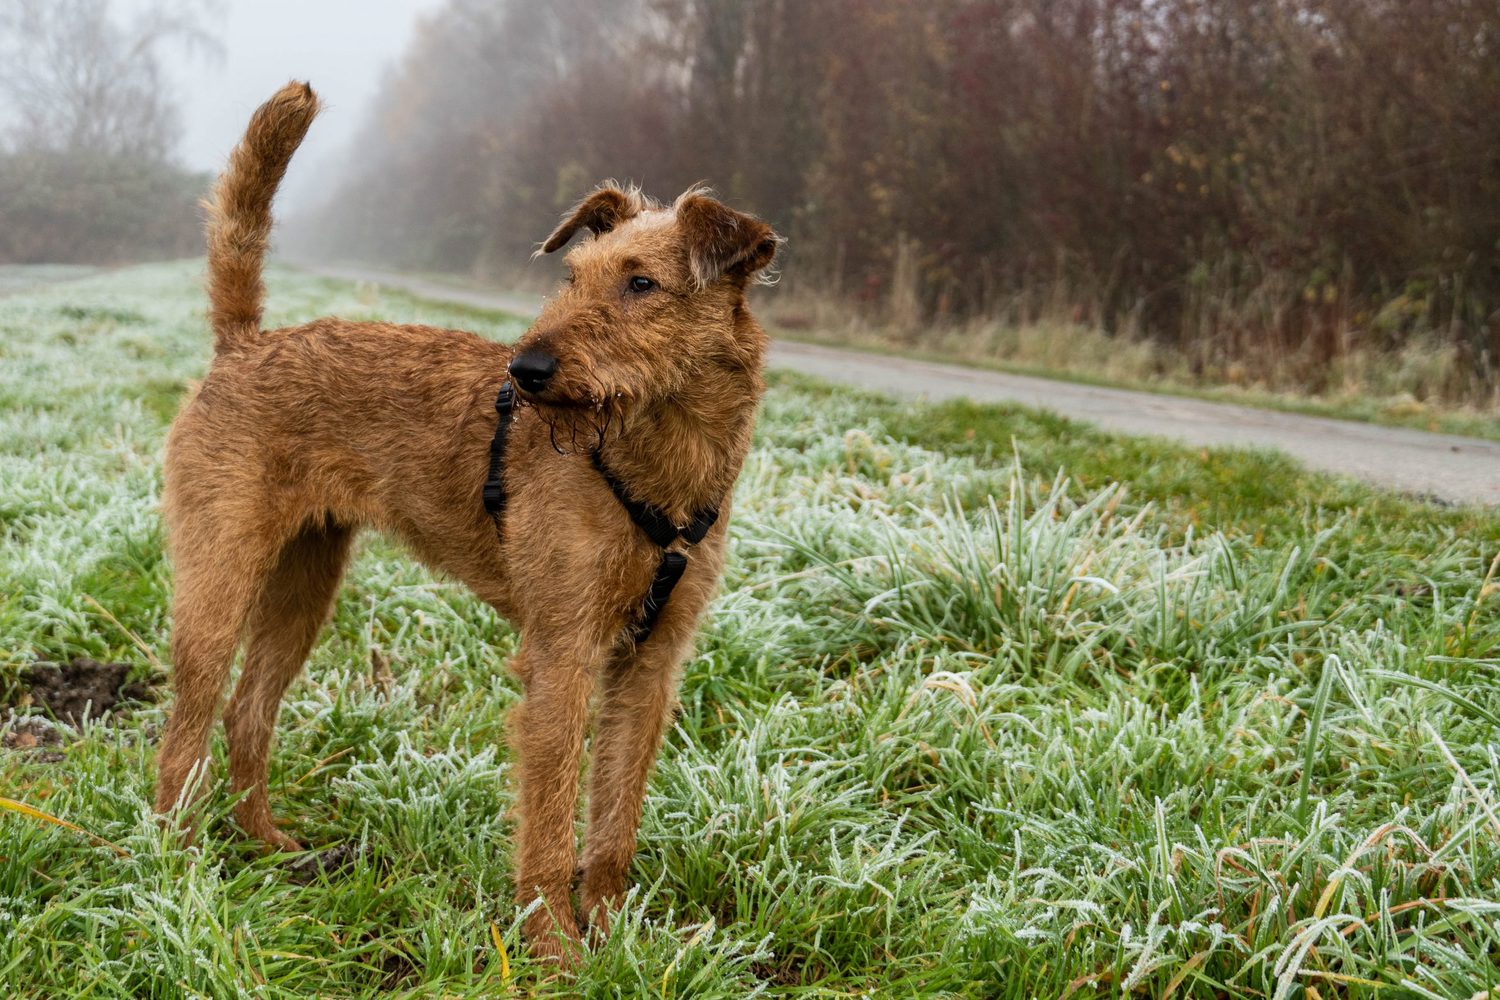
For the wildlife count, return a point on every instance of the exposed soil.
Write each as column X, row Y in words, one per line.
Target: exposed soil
column 330, row 862
column 82, row 687
column 35, row 735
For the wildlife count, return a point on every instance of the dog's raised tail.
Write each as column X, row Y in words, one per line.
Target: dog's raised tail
column 239, row 213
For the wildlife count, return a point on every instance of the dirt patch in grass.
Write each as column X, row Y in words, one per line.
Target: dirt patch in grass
column 393, row 966
column 781, row 975
column 82, row 687
column 34, row 735
column 329, row 863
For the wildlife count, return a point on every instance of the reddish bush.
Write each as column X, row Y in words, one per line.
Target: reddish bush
column 1235, row 177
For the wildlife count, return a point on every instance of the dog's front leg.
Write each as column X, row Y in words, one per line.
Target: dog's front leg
column 547, row 730
column 638, row 699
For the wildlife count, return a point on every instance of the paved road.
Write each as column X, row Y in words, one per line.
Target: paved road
column 1445, row 466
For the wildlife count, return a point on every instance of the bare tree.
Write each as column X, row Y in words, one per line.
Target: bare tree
column 87, row 129
column 82, row 75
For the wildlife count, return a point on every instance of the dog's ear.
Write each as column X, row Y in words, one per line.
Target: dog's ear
column 600, row 212
column 722, row 241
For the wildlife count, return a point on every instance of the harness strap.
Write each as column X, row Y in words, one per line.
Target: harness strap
column 494, row 483
column 698, row 527
column 648, row 517
column 660, row 529
column 668, row 572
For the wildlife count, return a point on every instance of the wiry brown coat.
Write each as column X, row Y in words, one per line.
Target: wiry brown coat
column 299, row 437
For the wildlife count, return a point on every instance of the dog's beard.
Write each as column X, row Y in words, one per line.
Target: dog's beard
column 582, row 424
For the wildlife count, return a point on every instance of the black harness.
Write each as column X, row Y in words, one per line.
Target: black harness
column 648, row 517
column 494, row 483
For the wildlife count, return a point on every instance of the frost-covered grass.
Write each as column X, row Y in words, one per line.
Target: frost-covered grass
column 991, row 705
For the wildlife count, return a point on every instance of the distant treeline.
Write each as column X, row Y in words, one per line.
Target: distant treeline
column 87, row 130
column 81, row 206
column 1237, row 177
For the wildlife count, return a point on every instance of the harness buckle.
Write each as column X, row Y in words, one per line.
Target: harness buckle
column 494, row 497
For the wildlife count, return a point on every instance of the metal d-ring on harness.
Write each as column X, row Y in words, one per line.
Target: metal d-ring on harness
column 648, row 517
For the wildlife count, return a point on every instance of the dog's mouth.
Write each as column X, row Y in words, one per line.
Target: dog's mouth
column 554, row 400
column 571, row 394
column 575, row 422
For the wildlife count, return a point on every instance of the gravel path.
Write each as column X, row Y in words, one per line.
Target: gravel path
column 1443, row 466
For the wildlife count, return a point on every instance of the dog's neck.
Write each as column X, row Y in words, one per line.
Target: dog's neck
column 684, row 453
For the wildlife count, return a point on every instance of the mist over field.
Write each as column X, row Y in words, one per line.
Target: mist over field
column 1302, row 195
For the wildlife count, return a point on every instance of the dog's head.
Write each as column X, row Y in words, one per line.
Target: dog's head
column 652, row 302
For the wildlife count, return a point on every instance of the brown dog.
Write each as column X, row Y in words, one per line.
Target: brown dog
column 638, row 387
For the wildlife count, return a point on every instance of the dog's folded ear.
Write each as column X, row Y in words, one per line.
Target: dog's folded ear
column 722, row 241
column 600, row 212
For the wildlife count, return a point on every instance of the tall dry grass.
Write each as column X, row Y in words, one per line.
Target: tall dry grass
column 1425, row 377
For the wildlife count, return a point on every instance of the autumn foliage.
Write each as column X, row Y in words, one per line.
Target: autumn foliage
column 1237, row 179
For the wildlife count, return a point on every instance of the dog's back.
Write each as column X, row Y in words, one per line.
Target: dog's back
column 317, row 417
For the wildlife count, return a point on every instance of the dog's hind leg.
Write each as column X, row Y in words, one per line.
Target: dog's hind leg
column 638, row 700
column 216, row 580
column 284, row 623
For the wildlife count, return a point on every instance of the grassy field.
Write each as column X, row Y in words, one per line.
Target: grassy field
column 992, row 705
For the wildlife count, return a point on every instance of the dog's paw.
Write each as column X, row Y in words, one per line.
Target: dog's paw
column 553, row 937
column 594, row 914
column 594, row 926
column 599, row 894
column 257, row 825
column 557, row 947
column 279, row 841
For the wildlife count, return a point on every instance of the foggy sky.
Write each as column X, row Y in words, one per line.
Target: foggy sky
column 342, row 47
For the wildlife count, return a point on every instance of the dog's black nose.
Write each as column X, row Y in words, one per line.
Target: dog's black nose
column 532, row 370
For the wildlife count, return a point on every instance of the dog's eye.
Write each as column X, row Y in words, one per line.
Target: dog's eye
column 641, row 283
